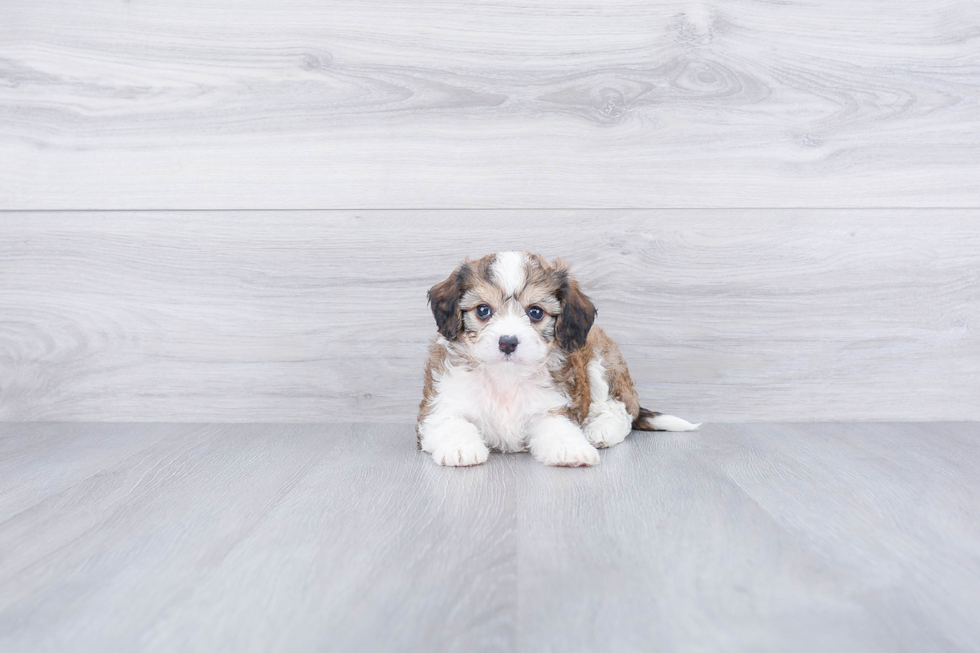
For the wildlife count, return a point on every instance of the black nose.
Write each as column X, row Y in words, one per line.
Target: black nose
column 508, row 344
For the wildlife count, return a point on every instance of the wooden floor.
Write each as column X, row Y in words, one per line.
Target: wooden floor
column 775, row 537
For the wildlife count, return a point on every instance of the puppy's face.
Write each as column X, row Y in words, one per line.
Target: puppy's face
column 512, row 308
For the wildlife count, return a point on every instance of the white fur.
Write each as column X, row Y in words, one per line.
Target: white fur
column 555, row 440
column 498, row 401
column 454, row 442
column 511, row 321
column 510, row 271
column 671, row 423
column 608, row 422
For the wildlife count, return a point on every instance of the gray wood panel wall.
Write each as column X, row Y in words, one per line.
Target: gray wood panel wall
column 276, row 104
column 775, row 206
column 309, row 316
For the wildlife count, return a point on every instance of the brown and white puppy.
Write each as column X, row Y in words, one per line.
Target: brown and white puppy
column 518, row 366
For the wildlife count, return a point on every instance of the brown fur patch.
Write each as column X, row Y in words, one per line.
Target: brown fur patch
column 445, row 297
column 574, row 376
column 548, row 283
column 617, row 373
column 435, row 364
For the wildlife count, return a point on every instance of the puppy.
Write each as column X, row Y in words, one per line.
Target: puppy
column 518, row 366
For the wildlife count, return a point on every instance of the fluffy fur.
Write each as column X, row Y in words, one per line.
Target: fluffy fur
column 561, row 393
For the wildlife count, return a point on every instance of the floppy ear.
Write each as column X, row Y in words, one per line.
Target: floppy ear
column 444, row 301
column 577, row 314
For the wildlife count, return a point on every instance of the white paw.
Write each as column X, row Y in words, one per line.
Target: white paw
column 566, row 452
column 461, row 454
column 608, row 428
column 603, row 434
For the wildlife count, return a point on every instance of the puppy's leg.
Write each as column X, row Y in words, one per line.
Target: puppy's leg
column 453, row 441
column 612, row 393
column 608, row 423
column 556, row 440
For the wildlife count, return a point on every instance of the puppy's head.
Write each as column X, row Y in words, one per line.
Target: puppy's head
column 512, row 308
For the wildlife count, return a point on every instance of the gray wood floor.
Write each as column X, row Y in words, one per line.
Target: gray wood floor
column 775, row 537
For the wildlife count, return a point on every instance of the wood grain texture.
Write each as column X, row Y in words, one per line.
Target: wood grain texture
column 766, row 537
column 758, row 538
column 321, row 316
column 310, row 525
column 623, row 103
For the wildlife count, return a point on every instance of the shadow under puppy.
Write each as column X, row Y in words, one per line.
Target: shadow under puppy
column 518, row 366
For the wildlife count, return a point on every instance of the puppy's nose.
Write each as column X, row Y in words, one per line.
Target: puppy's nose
column 508, row 344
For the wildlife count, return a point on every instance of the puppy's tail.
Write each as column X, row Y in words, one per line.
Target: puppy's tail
column 648, row 420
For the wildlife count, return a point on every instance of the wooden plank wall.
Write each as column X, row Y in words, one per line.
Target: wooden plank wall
column 321, row 315
column 216, row 211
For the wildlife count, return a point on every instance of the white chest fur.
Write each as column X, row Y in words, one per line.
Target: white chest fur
column 500, row 400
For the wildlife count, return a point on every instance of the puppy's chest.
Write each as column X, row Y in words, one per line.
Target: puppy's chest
column 502, row 405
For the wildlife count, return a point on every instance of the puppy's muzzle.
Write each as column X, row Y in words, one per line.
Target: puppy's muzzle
column 508, row 344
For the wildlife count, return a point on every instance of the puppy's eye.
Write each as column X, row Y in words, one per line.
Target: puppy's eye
column 483, row 311
column 535, row 313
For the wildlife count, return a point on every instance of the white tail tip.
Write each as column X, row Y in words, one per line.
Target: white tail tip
column 671, row 423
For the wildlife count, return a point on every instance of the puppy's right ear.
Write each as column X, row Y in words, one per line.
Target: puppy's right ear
column 444, row 301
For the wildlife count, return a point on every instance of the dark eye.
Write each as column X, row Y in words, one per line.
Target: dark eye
column 483, row 311
column 535, row 313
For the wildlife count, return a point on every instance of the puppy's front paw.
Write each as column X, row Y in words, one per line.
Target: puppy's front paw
column 461, row 454
column 566, row 452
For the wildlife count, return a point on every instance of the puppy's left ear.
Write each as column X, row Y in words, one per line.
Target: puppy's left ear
column 577, row 314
